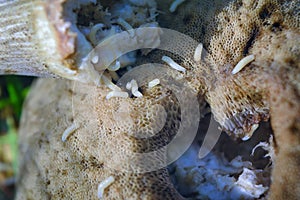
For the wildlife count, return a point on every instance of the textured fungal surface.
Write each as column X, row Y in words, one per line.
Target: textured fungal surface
column 74, row 169
column 258, row 107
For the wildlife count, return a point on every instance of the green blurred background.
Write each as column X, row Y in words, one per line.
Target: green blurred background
column 13, row 90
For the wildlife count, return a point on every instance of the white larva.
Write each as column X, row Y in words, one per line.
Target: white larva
column 137, row 94
column 71, row 129
column 103, row 185
column 124, row 24
column 128, row 86
column 110, row 84
column 173, row 64
column 95, row 59
column 94, row 30
column 117, row 94
column 153, row 83
column 134, row 89
column 245, row 61
column 175, row 4
column 198, row 52
column 114, row 75
column 115, row 67
column 134, row 85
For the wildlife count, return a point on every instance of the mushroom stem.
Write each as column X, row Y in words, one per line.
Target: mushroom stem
column 285, row 112
column 37, row 39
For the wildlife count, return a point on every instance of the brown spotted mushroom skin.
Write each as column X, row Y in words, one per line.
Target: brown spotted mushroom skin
column 267, row 88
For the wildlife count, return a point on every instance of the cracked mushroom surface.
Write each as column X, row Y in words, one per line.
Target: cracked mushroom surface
column 264, row 94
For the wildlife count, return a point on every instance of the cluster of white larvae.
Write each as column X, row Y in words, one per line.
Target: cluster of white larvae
column 132, row 86
column 98, row 32
column 239, row 66
column 197, row 55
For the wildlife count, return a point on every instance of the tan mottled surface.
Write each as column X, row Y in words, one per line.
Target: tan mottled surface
column 268, row 87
